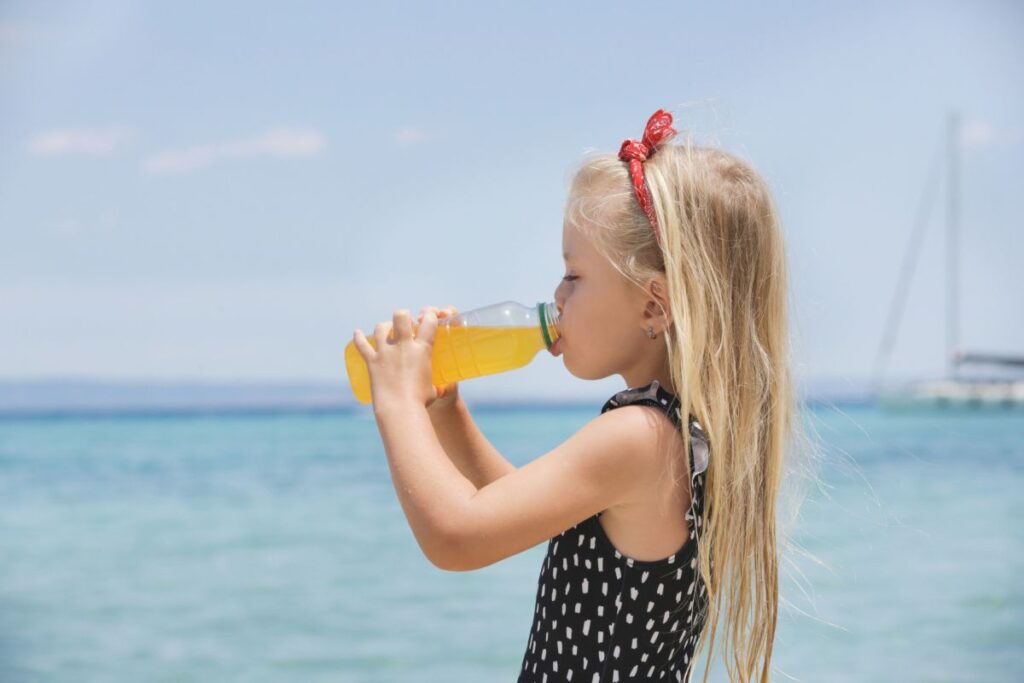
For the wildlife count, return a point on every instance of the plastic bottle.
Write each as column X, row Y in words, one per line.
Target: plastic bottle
column 483, row 341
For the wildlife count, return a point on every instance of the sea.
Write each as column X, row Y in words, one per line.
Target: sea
column 270, row 546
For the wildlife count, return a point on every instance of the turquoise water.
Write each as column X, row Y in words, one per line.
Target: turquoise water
column 273, row 548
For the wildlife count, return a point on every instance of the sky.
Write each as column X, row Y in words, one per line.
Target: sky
column 226, row 191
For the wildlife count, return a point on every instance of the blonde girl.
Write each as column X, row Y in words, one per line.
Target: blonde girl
column 660, row 513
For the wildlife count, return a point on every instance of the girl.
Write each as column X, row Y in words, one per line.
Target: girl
column 659, row 537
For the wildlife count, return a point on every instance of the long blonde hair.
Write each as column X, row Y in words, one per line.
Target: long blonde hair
column 725, row 267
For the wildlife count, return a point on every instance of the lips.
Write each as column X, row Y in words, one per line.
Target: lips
column 556, row 347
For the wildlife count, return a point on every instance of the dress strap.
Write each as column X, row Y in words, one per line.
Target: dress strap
column 652, row 394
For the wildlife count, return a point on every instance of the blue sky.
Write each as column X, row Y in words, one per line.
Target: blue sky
column 220, row 191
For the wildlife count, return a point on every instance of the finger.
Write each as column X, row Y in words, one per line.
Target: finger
column 362, row 345
column 380, row 333
column 428, row 329
column 403, row 324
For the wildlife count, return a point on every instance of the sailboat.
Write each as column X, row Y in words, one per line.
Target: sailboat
column 1002, row 388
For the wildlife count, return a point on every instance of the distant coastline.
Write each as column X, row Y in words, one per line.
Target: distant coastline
column 58, row 397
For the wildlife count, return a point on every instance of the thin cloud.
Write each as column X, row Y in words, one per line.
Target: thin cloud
column 980, row 133
column 278, row 143
column 72, row 226
column 82, row 141
column 409, row 136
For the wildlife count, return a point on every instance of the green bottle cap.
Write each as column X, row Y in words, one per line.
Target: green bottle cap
column 543, row 315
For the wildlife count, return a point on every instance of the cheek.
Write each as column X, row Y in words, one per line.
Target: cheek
column 574, row 308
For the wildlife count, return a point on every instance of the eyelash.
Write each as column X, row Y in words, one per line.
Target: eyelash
column 570, row 278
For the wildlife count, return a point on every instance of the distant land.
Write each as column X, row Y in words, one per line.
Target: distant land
column 118, row 396
column 70, row 396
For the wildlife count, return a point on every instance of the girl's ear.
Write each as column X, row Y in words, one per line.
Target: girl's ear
column 657, row 312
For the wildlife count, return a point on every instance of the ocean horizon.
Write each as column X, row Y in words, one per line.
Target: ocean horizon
column 70, row 397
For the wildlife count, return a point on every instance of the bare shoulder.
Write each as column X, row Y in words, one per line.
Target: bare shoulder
column 615, row 440
column 643, row 436
column 651, row 437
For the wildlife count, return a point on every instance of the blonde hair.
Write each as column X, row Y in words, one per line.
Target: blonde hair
column 724, row 263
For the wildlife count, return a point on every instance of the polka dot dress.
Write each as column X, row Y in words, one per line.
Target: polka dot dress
column 601, row 616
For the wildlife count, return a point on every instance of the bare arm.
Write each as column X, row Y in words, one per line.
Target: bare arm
column 430, row 487
column 475, row 457
column 461, row 528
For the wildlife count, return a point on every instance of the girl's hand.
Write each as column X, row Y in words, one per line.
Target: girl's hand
column 401, row 366
column 449, row 393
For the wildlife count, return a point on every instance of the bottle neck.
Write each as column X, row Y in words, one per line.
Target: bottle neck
column 547, row 313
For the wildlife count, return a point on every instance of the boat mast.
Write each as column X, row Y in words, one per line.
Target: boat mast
column 922, row 218
column 952, row 245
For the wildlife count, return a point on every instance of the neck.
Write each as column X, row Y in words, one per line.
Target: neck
column 646, row 372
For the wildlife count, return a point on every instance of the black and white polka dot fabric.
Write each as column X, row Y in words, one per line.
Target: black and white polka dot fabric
column 601, row 616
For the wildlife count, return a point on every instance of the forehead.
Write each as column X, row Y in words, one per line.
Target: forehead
column 579, row 251
column 575, row 245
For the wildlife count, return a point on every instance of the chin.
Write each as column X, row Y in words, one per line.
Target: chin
column 568, row 366
column 582, row 374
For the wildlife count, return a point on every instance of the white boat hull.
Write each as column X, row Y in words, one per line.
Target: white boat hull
column 957, row 395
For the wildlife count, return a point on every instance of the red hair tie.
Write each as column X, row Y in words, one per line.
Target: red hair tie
column 658, row 131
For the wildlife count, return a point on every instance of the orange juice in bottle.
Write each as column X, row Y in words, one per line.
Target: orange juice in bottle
column 483, row 341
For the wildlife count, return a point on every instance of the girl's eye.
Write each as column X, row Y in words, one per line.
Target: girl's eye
column 570, row 278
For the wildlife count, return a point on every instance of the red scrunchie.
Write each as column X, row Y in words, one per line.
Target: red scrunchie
column 659, row 130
